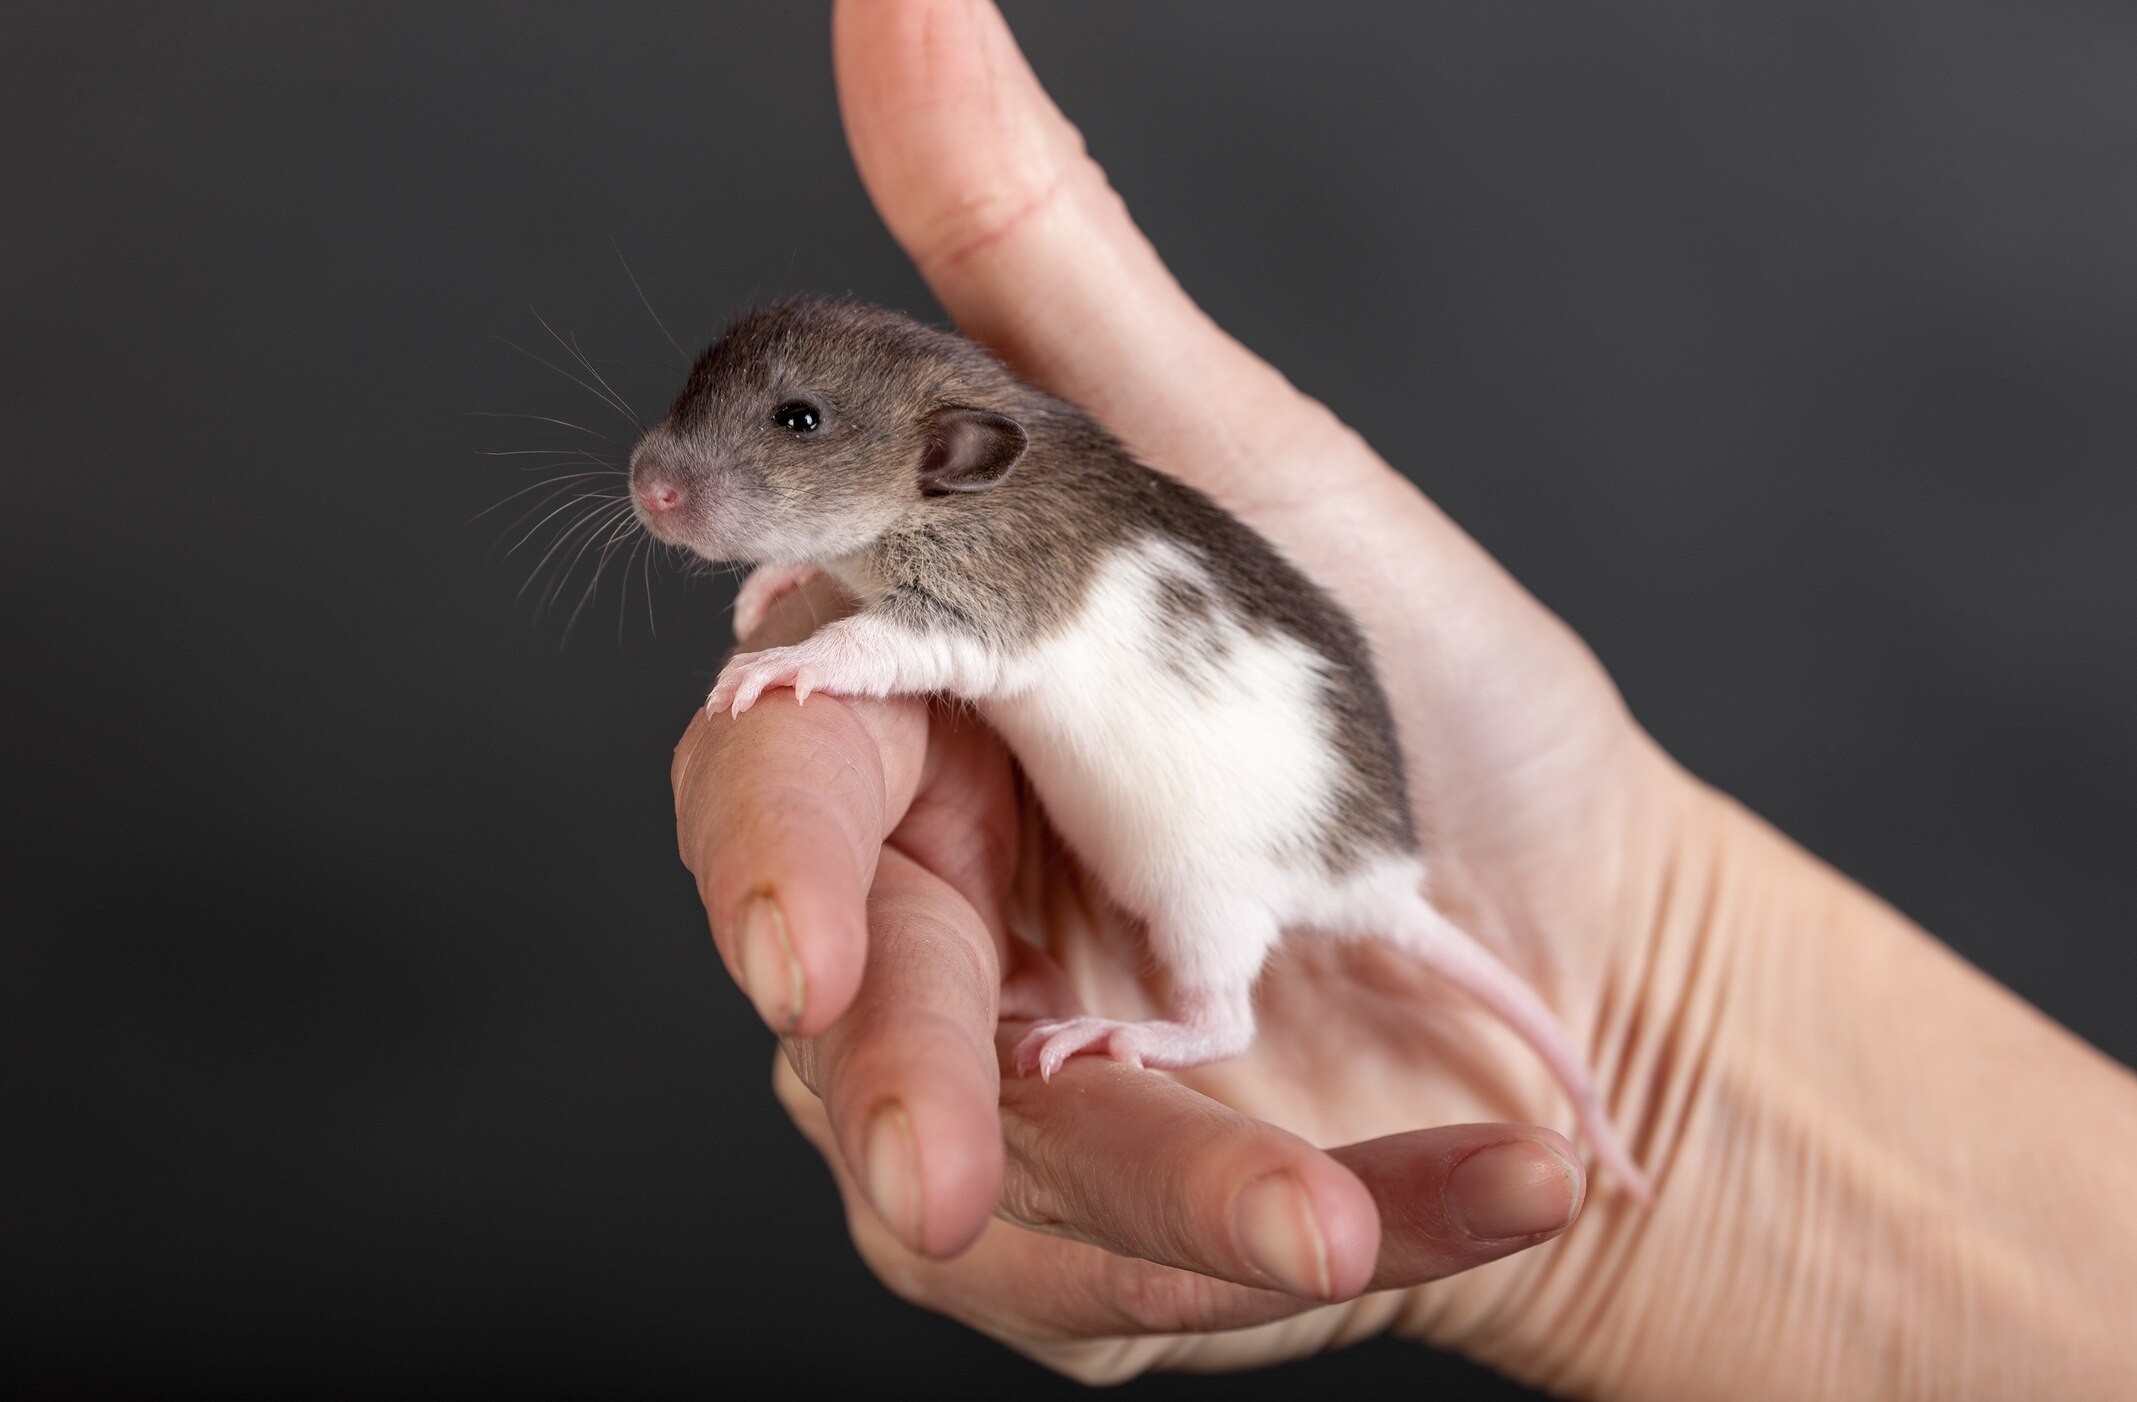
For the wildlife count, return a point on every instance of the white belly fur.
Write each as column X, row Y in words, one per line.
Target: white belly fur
column 1196, row 786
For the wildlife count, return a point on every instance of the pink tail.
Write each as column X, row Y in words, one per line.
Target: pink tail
column 1448, row 950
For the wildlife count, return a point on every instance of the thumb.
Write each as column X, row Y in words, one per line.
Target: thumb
column 990, row 192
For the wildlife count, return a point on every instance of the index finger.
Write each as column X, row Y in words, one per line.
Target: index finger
column 781, row 816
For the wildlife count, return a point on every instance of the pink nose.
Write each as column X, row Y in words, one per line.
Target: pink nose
column 658, row 497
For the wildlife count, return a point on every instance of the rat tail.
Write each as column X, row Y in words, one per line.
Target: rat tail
column 1448, row 950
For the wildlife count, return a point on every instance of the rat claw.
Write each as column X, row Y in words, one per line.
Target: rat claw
column 1052, row 1057
column 1047, row 1047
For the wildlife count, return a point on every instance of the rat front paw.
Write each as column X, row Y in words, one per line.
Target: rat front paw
column 766, row 586
column 748, row 675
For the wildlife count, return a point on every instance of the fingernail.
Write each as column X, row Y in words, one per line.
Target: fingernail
column 1515, row 1189
column 771, row 975
column 1273, row 1222
column 893, row 1171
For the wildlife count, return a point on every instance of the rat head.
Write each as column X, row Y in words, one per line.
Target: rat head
column 813, row 427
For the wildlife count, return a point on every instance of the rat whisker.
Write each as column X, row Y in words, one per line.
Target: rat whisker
column 623, row 595
column 588, row 362
column 616, row 537
column 537, row 486
column 587, row 365
column 582, row 497
column 594, row 584
column 630, row 566
column 567, row 458
column 585, row 522
column 535, row 509
column 642, row 300
column 646, row 572
column 541, row 418
column 587, row 529
column 628, row 417
column 569, row 503
column 702, row 568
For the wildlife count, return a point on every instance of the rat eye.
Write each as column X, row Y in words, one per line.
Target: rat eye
column 798, row 415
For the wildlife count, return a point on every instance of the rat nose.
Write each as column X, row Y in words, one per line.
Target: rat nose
column 656, row 489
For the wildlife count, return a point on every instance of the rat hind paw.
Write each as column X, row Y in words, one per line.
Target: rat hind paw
column 748, row 675
column 1049, row 1044
column 1171, row 1046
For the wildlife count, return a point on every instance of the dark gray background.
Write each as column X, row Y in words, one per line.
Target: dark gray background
column 361, row 1026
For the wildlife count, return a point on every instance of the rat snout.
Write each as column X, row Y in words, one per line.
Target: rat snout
column 678, row 491
column 657, row 487
column 661, row 492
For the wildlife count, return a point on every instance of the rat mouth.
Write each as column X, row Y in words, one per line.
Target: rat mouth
column 681, row 525
column 697, row 526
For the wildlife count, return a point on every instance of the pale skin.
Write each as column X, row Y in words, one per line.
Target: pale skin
column 1878, row 1173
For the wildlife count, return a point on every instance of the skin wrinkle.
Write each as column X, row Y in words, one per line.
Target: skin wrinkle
column 948, row 951
column 946, row 259
column 836, row 773
column 1049, row 1159
column 1171, row 1303
column 1706, row 985
column 952, row 952
column 1653, row 1040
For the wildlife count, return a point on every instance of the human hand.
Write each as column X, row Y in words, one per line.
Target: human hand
column 892, row 857
column 1859, row 1175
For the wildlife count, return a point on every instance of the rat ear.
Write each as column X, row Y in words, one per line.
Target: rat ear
column 969, row 450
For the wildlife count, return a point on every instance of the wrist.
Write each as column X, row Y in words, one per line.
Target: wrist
column 1880, row 1173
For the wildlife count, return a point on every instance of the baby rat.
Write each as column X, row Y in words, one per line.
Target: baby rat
column 1200, row 720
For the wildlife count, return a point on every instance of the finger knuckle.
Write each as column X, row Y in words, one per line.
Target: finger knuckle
column 1030, row 1201
column 1155, row 1300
